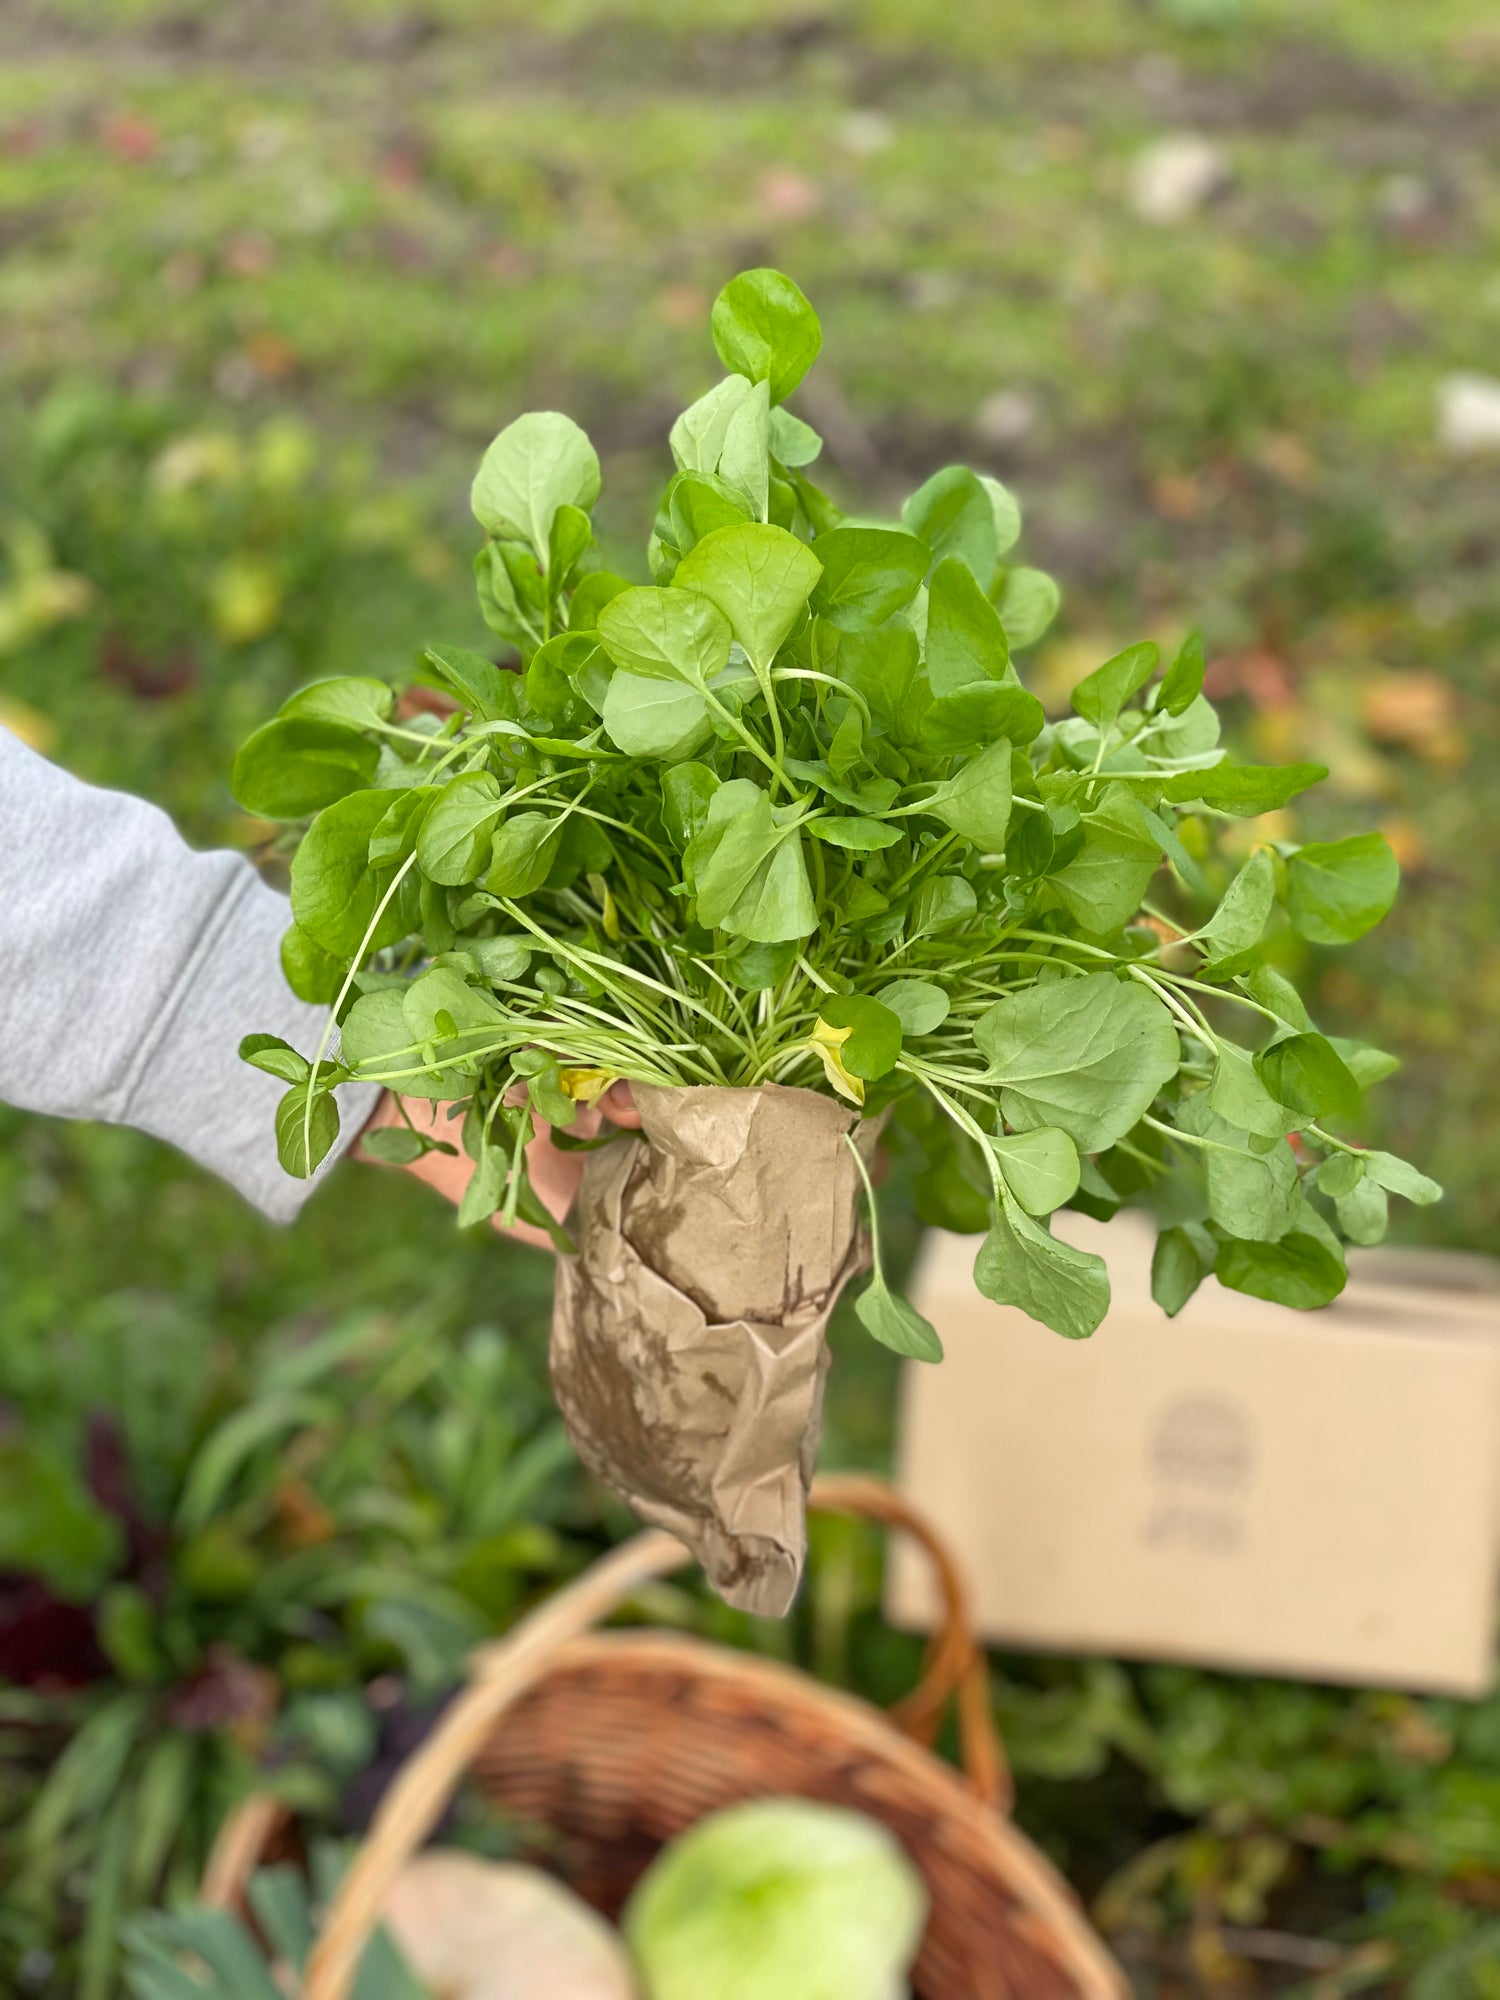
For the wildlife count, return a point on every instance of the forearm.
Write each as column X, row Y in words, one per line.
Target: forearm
column 130, row 967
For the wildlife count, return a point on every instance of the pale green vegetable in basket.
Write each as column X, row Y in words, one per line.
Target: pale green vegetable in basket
column 779, row 1897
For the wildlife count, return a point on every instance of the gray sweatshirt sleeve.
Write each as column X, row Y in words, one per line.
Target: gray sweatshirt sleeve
column 131, row 966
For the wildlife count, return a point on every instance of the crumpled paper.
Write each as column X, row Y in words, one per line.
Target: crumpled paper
column 688, row 1333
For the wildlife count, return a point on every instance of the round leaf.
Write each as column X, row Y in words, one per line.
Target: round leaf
column 764, row 328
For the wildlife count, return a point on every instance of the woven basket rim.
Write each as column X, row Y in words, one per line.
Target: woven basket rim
column 778, row 1685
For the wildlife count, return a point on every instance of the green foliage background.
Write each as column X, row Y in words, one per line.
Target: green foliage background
column 273, row 276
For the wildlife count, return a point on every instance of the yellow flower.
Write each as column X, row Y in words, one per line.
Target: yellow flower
column 586, row 1085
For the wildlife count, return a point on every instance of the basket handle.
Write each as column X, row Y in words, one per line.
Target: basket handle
column 507, row 1668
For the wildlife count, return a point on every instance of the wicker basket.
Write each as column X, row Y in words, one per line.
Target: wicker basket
column 617, row 1741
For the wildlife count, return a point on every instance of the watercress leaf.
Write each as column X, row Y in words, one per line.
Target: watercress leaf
column 793, row 442
column 454, row 843
column 1300, row 1270
column 1251, row 1194
column 671, row 635
column 396, row 1145
column 765, row 329
column 1237, row 924
column 275, row 1056
column 872, row 795
column 590, row 596
column 1368, row 1066
column 952, row 513
column 884, row 666
column 687, row 791
column 984, row 712
column 486, row 690
column 551, row 679
column 334, row 889
column 945, row 1197
column 1100, row 696
column 863, row 835
column 497, row 599
column 570, row 536
column 655, row 718
column 539, row 463
column 1086, row 1054
column 524, row 849
column 1182, row 683
column 1007, row 512
column 1364, row 1213
column 758, row 576
column 293, row 1130
column 776, row 905
column 375, row 1029
column 1340, row 1173
column 1182, row 1259
column 500, row 958
column 440, row 1006
column 896, row 1324
column 965, row 639
column 697, row 437
column 1028, row 602
column 1021, row 1264
column 745, row 461
column 1239, row 1096
column 1102, row 886
column 736, row 834
column 697, row 503
column 1394, row 1174
column 1336, row 890
column 975, row 801
column 1306, row 1073
column 299, row 764
column 873, row 1043
column 1041, row 1167
column 486, row 1188
column 869, row 574
column 754, row 967
column 1246, row 790
column 354, row 700
column 918, row 1004
column 941, row 902
column 313, row 974
column 1272, row 989
column 395, row 834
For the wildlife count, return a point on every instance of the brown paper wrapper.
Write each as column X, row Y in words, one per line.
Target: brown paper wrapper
column 689, row 1342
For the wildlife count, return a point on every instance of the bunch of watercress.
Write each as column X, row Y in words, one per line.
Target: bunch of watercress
column 789, row 814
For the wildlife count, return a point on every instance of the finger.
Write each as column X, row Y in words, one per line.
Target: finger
column 618, row 1106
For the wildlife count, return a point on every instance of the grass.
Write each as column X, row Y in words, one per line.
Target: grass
column 272, row 276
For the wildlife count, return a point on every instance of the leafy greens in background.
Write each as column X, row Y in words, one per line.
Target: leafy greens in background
column 788, row 813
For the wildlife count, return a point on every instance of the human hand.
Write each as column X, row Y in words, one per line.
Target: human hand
column 554, row 1174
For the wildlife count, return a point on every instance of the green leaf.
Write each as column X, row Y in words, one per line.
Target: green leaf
column 1041, row 1167
column 396, row 1145
column 759, row 577
column 1028, row 602
column 873, row 1044
column 524, row 850
column 735, row 866
column 696, row 503
column 458, row 828
column 486, row 1188
column 655, row 718
column 1006, row 510
column 1100, row 696
column 500, row 958
column 313, row 974
column 1336, row 890
column 1340, row 1173
column 299, row 764
column 395, row 833
column 895, row 1324
column 965, row 640
column 794, row 442
column 1272, row 989
column 50, row 1525
column 699, row 435
column 570, row 537
column 918, row 1005
column 869, row 574
column 1182, row 683
column 984, row 712
column 590, row 596
column 1088, row 1055
column 765, row 329
column 355, row 701
column 1237, row 924
column 745, row 461
column 1300, row 1270
column 885, row 667
column 551, row 680
column 486, row 690
column 1021, row 1264
column 952, row 513
column 441, row 1006
column 670, row 635
column 1389, row 1172
column 1364, row 1213
column 334, row 889
column 1246, row 790
column 539, row 463
column 1238, row 1095
column 1182, row 1259
column 975, row 801
column 942, row 900
column 276, row 1057
column 1250, row 1194
column 1102, row 887
column 865, row 836
column 1306, row 1073
column 292, row 1130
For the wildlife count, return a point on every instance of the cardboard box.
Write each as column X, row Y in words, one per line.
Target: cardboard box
column 1310, row 1494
